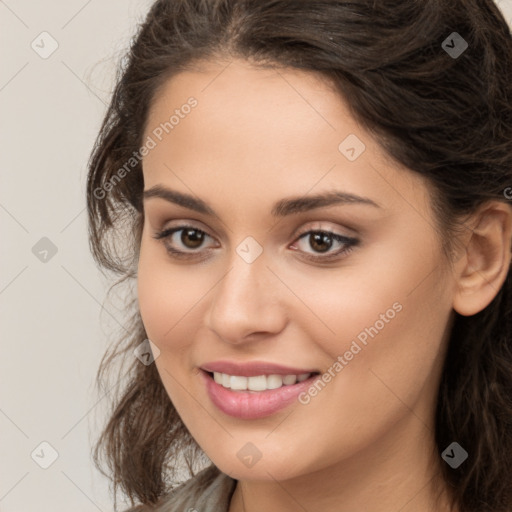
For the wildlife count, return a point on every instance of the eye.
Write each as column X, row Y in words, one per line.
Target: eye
column 322, row 241
column 190, row 239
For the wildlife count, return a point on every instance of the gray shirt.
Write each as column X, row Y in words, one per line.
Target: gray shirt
column 208, row 491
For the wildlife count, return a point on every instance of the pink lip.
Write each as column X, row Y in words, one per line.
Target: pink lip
column 253, row 369
column 249, row 405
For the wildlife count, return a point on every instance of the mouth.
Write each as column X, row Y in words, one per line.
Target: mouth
column 256, row 396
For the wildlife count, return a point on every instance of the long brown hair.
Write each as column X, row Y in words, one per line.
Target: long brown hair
column 446, row 117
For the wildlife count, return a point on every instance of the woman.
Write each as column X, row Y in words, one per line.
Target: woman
column 313, row 199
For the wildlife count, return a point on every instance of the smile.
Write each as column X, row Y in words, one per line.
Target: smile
column 232, row 394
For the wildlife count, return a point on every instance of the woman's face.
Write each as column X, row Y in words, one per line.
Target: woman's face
column 257, row 278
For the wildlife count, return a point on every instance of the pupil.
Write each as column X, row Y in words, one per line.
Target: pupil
column 193, row 235
column 321, row 238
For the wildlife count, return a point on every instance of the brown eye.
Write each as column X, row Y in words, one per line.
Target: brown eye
column 192, row 238
column 320, row 241
column 317, row 245
column 183, row 241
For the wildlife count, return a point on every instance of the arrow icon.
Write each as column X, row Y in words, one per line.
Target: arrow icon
column 44, row 455
column 249, row 455
column 44, row 250
column 454, row 455
column 351, row 147
column 249, row 249
column 44, row 44
column 454, row 45
column 146, row 352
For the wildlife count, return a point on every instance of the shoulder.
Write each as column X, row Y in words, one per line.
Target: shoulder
column 208, row 491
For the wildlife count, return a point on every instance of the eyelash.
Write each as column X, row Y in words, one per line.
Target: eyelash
column 349, row 243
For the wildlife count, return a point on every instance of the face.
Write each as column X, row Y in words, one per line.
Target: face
column 352, row 290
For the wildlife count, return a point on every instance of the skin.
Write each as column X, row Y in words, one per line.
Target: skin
column 257, row 136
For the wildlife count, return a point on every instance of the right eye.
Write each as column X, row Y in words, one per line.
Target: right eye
column 178, row 238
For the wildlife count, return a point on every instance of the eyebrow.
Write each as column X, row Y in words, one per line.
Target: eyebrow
column 282, row 208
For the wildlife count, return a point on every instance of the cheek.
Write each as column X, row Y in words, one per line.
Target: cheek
column 389, row 318
column 168, row 295
column 170, row 306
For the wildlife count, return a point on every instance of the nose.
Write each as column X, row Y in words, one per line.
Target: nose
column 247, row 302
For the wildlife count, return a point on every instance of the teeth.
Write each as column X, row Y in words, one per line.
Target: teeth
column 288, row 380
column 257, row 383
column 236, row 382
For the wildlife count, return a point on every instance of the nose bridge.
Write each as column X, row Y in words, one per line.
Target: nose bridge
column 245, row 299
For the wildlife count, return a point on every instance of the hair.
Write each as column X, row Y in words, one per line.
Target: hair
column 447, row 119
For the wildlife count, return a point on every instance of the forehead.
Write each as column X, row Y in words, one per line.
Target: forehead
column 251, row 105
column 251, row 128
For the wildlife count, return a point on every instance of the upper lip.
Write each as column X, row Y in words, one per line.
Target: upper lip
column 253, row 368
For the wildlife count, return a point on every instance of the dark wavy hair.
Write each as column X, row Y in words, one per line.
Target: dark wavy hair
column 448, row 119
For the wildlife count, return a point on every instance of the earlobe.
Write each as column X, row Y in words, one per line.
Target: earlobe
column 482, row 270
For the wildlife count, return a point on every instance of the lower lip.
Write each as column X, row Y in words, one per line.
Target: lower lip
column 249, row 405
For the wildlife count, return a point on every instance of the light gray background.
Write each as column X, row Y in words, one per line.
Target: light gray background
column 54, row 329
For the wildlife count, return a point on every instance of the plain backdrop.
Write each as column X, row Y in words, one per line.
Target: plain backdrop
column 54, row 323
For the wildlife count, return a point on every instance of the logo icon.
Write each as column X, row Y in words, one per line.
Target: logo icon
column 249, row 455
column 249, row 249
column 44, row 455
column 351, row 147
column 44, row 45
column 454, row 45
column 44, row 250
column 454, row 455
column 147, row 352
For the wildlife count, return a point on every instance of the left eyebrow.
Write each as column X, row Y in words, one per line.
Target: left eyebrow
column 282, row 208
column 293, row 205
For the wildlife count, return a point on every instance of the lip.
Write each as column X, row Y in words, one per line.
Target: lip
column 253, row 368
column 249, row 405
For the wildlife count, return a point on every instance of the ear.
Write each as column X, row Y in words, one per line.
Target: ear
column 484, row 265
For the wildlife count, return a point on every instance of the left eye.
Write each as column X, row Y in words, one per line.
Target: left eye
column 322, row 242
